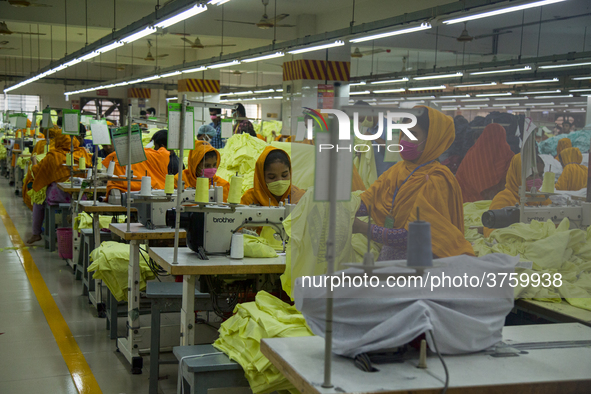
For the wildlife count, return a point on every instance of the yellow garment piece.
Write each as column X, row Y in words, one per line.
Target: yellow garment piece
column 2, row 152
column 111, row 261
column 268, row 234
column 366, row 164
column 23, row 161
column 553, row 250
column 240, row 338
column 257, row 247
column 473, row 217
column 84, row 220
column 268, row 127
column 302, row 158
column 37, row 197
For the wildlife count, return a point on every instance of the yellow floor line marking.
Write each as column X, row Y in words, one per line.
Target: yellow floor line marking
column 79, row 369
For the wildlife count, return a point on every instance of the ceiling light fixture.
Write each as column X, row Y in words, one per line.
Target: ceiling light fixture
column 542, row 92
column 358, row 83
column 171, row 74
column 509, row 70
column 456, row 96
column 513, row 98
column 337, row 43
column 217, row 2
column 359, row 93
column 194, row 70
column 427, row 88
column 196, row 9
column 579, row 90
column 265, row 91
column 422, row 98
column 109, row 47
column 225, row 64
column 477, row 99
column 90, row 55
column 500, row 11
column 151, row 78
column 565, row 65
column 389, row 81
column 580, row 78
column 476, row 85
column 390, row 90
column 535, row 81
column 264, row 57
column 440, row 76
column 422, row 26
column 140, row 34
column 551, row 97
column 493, row 94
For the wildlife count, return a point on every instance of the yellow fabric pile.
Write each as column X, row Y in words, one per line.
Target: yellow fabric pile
column 2, row 152
column 38, row 197
column 553, row 250
column 240, row 338
column 473, row 217
column 111, row 261
column 255, row 246
column 268, row 127
column 84, row 220
column 23, row 161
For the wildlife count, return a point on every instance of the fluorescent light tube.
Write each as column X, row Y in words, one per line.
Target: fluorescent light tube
column 194, row 70
column 506, row 105
column 551, row 97
column 565, row 65
column 444, row 101
column 357, row 83
column 456, row 96
column 134, row 81
column 217, row 2
column 476, row 85
column 107, row 48
column 476, row 106
column 449, row 108
column 509, row 70
column 337, row 43
column 580, row 78
column 477, row 99
column 500, row 11
column 60, row 68
column 170, row 74
column 423, row 26
column 172, row 98
column 122, row 83
column 390, row 90
column 196, row 9
column 542, row 92
column 110, row 86
column 579, row 90
column 388, row 81
column 538, row 104
column 151, row 78
column 264, row 57
column 426, row 77
column 241, row 93
column 278, row 97
column 427, row 88
column 526, row 82
column 493, row 94
column 422, row 98
column 265, row 91
column 226, row 64
column 90, row 55
column 279, row 90
column 140, row 34
column 358, row 93
column 513, row 98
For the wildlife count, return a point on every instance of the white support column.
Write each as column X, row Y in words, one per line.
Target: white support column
column 188, row 311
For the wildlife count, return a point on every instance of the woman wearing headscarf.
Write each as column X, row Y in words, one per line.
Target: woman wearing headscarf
column 482, row 173
column 204, row 161
column 574, row 175
column 44, row 178
column 563, row 143
column 510, row 195
column 418, row 183
column 160, row 140
column 272, row 180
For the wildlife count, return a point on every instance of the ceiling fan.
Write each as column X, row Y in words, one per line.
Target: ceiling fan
column 236, row 72
column 265, row 22
column 24, row 4
column 5, row 31
column 357, row 53
column 198, row 45
column 2, row 47
column 119, row 67
column 466, row 37
column 148, row 57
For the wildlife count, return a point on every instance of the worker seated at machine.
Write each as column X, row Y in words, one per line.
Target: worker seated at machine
column 417, row 182
column 206, row 133
column 563, row 143
column 481, row 175
column 204, row 161
column 574, row 175
column 272, row 180
column 79, row 149
column 160, row 140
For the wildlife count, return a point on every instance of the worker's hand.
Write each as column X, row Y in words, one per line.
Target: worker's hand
column 34, row 160
column 360, row 227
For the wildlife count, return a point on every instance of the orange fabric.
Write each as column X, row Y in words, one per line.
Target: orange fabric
column 563, row 143
column 574, row 175
column 432, row 189
column 156, row 165
column 261, row 137
column 357, row 183
column 80, row 151
column 278, row 138
column 486, row 163
column 510, row 195
column 39, row 147
column 195, row 157
column 260, row 193
column 50, row 169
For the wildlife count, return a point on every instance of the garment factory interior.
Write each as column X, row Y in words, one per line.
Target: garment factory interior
column 295, row 196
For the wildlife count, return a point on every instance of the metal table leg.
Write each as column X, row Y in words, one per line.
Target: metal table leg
column 188, row 311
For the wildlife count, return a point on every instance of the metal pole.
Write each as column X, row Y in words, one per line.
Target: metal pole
column 180, row 185
column 129, row 168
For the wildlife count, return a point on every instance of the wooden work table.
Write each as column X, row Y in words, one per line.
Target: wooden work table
column 68, row 188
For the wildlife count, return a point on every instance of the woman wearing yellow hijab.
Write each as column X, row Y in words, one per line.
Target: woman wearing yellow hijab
column 204, row 161
column 574, row 175
column 272, row 180
column 563, row 143
column 419, row 181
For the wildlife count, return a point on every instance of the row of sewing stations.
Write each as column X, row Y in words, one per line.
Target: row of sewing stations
column 201, row 231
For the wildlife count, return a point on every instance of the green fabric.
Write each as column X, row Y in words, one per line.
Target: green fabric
column 37, row 197
column 111, row 262
column 84, row 220
column 240, row 338
column 257, row 247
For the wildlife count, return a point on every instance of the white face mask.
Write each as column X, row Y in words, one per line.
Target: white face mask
column 206, row 138
column 150, row 145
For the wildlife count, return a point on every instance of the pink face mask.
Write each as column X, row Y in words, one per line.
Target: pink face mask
column 409, row 150
column 537, row 183
column 213, row 117
column 209, row 172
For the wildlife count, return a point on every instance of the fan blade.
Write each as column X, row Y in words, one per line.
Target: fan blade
column 278, row 18
column 161, row 56
column 180, row 34
column 39, row 5
column 442, row 35
column 187, row 40
column 285, row 26
column 246, row 23
column 492, row 34
column 133, row 57
column 6, row 49
column 225, row 45
column 374, row 51
column 26, row 32
column 4, row 42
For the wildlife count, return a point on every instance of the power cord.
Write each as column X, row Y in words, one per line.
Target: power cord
column 180, row 388
column 442, row 362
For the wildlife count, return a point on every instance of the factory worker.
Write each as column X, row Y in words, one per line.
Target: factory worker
column 481, row 175
column 43, row 181
column 79, row 149
column 510, row 195
column 160, row 140
column 206, row 133
column 563, row 143
column 155, row 166
column 272, row 180
column 204, row 161
column 574, row 175
column 417, row 182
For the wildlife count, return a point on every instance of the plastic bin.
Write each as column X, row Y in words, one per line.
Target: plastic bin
column 64, row 243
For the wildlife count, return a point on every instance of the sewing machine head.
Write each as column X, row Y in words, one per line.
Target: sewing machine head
column 152, row 211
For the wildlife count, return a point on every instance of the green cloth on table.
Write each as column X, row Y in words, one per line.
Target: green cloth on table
column 240, row 338
column 111, row 261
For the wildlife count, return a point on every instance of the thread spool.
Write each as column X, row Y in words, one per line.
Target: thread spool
column 202, row 190
column 237, row 247
column 548, row 184
column 169, row 184
column 111, row 169
column 68, row 159
column 146, row 189
column 27, row 151
column 235, row 190
column 419, row 252
column 28, row 131
column 89, row 173
column 82, row 163
column 219, row 194
column 18, row 134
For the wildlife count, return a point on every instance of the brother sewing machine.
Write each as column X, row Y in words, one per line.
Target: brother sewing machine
column 152, row 209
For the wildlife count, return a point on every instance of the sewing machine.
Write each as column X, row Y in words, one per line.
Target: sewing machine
column 152, row 209
column 210, row 227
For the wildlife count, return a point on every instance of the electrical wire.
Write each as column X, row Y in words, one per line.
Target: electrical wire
column 442, row 362
column 180, row 387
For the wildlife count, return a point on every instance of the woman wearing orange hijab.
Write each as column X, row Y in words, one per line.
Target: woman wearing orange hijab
column 563, row 143
column 419, row 182
column 204, row 161
column 481, row 175
column 272, row 180
column 45, row 175
column 574, row 175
